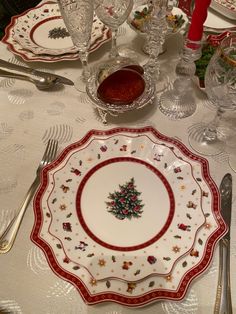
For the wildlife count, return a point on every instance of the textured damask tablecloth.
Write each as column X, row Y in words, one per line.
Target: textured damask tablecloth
column 28, row 118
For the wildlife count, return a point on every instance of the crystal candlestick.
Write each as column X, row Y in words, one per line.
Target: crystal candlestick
column 179, row 103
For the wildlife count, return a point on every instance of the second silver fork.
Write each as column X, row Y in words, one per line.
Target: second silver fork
column 8, row 237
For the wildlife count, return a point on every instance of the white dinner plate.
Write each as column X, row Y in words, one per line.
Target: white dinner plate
column 30, row 40
column 80, row 216
column 225, row 7
column 172, row 28
column 42, row 31
column 215, row 22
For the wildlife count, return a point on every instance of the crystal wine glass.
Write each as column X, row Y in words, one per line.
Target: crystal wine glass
column 220, row 83
column 113, row 13
column 78, row 18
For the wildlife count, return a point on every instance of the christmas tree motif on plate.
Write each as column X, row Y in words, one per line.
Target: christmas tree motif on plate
column 125, row 203
column 58, row 32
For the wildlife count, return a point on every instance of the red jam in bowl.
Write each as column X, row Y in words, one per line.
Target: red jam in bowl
column 121, row 87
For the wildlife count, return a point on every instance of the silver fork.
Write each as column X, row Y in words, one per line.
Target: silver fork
column 8, row 237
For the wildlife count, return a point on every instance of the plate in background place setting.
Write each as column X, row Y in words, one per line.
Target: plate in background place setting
column 215, row 22
column 177, row 20
column 70, row 181
column 23, row 37
column 42, row 31
column 225, row 7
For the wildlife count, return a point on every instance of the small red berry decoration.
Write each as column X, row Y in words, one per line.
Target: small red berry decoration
column 123, row 148
column 177, row 170
column 126, row 265
column 76, row 171
column 67, row 226
column 151, row 259
column 103, row 148
column 184, row 227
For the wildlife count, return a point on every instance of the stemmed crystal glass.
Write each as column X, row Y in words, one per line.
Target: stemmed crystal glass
column 78, row 18
column 156, row 28
column 220, row 85
column 113, row 13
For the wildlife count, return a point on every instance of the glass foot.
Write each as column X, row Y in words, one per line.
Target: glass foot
column 80, row 84
column 127, row 52
column 177, row 107
column 232, row 162
column 231, row 149
column 203, row 145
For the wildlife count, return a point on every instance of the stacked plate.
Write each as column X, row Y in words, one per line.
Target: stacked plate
column 225, row 7
column 220, row 18
column 128, row 215
column 40, row 34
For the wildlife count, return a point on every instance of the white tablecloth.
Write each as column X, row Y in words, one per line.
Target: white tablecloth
column 28, row 118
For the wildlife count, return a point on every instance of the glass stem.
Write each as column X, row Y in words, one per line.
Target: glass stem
column 85, row 69
column 210, row 133
column 156, row 37
column 114, row 52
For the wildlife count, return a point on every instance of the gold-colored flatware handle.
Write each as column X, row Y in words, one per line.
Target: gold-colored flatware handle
column 8, row 237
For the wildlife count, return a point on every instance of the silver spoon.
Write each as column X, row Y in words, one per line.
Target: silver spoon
column 42, row 83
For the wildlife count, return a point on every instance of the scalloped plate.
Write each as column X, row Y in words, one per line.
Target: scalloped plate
column 225, row 7
column 39, row 34
column 172, row 28
column 214, row 23
column 70, row 234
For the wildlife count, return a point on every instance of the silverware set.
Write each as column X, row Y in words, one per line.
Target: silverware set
column 42, row 80
column 8, row 237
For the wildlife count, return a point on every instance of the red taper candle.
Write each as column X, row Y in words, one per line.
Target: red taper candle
column 198, row 18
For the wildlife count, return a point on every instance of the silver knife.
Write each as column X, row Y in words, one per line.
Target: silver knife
column 223, row 304
column 23, row 69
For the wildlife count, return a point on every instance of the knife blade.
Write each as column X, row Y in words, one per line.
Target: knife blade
column 223, row 303
column 23, row 69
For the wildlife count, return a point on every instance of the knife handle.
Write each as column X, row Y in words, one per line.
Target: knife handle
column 31, row 71
column 16, row 67
column 223, row 304
column 23, row 69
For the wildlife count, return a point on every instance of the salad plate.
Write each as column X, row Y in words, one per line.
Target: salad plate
column 42, row 31
column 225, row 7
column 39, row 34
column 177, row 20
column 215, row 22
column 81, row 195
